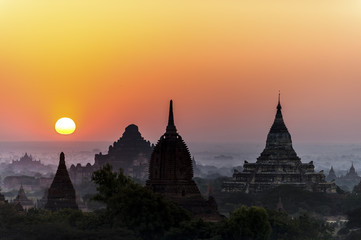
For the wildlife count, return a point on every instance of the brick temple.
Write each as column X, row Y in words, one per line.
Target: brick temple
column 278, row 165
column 61, row 193
column 171, row 174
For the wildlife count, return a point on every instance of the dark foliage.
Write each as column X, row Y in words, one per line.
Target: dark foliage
column 247, row 223
column 64, row 224
column 299, row 228
column 133, row 212
column 129, row 203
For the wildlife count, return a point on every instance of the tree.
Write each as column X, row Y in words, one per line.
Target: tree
column 247, row 223
column 131, row 204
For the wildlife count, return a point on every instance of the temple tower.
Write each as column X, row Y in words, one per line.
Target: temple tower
column 21, row 198
column 331, row 175
column 171, row 173
column 61, row 193
column 277, row 165
column 279, row 143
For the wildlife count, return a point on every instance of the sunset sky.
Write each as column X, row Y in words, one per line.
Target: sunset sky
column 107, row 64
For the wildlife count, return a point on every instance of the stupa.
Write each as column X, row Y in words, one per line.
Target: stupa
column 278, row 165
column 61, row 193
column 171, row 174
column 331, row 175
column 21, row 198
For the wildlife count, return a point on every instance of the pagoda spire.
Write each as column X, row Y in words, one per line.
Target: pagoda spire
column 278, row 137
column 61, row 193
column 279, row 107
column 62, row 159
column 278, row 124
column 171, row 127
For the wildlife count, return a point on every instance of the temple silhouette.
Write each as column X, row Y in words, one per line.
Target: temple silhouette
column 131, row 152
column 278, row 165
column 171, row 174
column 61, row 193
column 23, row 200
column 346, row 182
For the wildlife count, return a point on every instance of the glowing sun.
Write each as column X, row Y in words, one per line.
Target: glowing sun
column 65, row 126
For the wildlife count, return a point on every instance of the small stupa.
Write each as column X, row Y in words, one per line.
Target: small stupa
column 61, row 193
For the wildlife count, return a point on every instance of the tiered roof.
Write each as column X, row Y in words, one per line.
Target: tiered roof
column 279, row 142
column 61, row 193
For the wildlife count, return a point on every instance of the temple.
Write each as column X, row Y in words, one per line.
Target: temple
column 351, row 174
column 27, row 165
column 22, row 199
column 61, row 193
column 345, row 182
column 131, row 153
column 331, row 175
column 278, row 165
column 171, row 174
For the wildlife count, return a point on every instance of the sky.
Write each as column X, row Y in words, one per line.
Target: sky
column 108, row 64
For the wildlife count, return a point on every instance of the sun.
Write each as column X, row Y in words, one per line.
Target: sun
column 65, row 126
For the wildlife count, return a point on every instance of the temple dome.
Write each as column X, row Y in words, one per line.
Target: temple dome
column 132, row 132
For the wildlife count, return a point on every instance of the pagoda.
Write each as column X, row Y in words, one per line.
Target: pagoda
column 61, row 193
column 331, row 175
column 278, row 165
column 352, row 174
column 171, row 174
column 23, row 199
column 348, row 181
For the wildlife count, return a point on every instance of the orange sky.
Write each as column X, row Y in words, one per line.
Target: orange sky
column 107, row 64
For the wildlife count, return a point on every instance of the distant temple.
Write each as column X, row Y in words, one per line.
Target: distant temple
column 61, row 193
column 27, row 165
column 131, row 153
column 171, row 173
column 26, row 161
column 331, row 175
column 23, row 200
column 346, row 182
column 278, row 165
column 351, row 174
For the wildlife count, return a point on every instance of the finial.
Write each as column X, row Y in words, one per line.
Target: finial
column 171, row 127
column 171, row 118
column 279, row 96
column 62, row 158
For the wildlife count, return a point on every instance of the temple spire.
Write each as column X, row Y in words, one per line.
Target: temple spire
column 279, row 107
column 61, row 193
column 62, row 159
column 171, row 127
column 278, row 136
